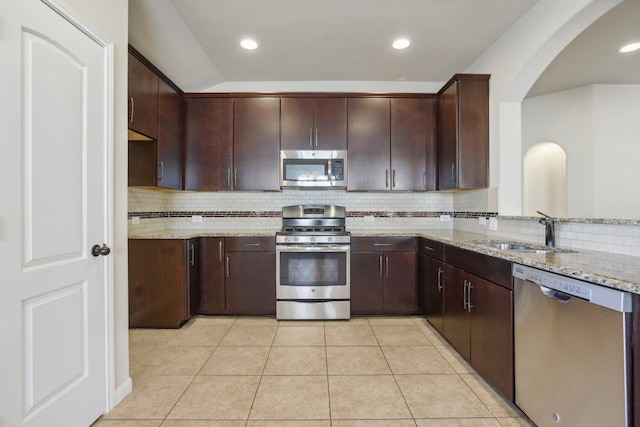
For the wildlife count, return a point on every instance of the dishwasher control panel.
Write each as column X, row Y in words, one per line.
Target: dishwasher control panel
column 596, row 294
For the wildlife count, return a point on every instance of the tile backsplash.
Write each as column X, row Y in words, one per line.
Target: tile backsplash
column 393, row 212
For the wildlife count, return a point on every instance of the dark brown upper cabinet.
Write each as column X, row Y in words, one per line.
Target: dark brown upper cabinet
column 169, row 145
column 463, row 132
column 208, row 144
column 391, row 144
column 313, row 123
column 413, row 153
column 143, row 99
column 369, row 131
column 256, row 144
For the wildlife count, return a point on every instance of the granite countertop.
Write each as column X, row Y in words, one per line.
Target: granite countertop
column 602, row 268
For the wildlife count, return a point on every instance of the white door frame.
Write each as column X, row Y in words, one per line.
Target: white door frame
column 60, row 7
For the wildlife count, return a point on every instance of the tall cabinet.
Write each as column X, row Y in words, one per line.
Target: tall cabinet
column 463, row 132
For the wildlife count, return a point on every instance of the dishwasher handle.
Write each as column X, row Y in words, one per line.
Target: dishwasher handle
column 556, row 295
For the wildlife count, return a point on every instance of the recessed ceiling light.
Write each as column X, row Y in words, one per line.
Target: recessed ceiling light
column 249, row 44
column 401, row 43
column 629, row 48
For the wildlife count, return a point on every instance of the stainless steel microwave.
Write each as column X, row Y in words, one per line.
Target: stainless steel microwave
column 313, row 169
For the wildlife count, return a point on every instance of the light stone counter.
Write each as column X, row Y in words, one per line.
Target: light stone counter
column 602, row 268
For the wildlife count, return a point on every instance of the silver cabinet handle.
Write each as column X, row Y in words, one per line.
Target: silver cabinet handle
column 316, row 138
column 193, row 254
column 393, row 180
column 469, row 287
column 386, row 177
column 380, row 267
column 453, row 173
column 220, row 249
column 382, row 244
column 161, row 166
column 228, row 178
column 424, row 179
column 235, row 178
column 226, row 266
column 464, row 296
column 386, row 273
column 251, row 244
column 310, row 137
column 440, row 274
column 133, row 109
column 429, row 248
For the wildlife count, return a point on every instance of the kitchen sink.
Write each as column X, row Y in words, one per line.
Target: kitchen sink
column 521, row 247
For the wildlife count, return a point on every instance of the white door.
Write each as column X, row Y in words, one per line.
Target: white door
column 53, row 145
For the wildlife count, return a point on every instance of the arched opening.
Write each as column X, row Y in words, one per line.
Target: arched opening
column 545, row 180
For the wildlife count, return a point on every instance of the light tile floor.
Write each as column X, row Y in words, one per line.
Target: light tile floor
column 373, row 372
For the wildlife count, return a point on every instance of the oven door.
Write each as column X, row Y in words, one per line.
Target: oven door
column 312, row 272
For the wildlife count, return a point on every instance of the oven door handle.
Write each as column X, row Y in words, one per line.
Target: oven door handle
column 296, row 248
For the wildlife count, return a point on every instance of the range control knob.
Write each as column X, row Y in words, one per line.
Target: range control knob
column 330, row 239
column 287, row 239
column 296, row 239
column 313, row 239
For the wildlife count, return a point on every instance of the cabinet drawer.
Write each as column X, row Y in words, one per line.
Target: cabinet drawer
column 384, row 244
column 496, row 270
column 432, row 248
column 250, row 244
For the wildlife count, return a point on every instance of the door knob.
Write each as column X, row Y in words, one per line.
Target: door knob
column 98, row 250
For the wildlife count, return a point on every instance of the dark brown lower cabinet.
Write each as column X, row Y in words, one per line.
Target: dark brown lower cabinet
column 238, row 276
column 384, row 273
column 478, row 322
column 212, row 272
column 163, row 282
column 431, row 287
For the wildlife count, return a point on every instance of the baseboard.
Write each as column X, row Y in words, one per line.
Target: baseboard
column 123, row 390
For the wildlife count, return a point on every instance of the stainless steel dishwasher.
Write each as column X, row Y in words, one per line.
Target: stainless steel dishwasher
column 571, row 350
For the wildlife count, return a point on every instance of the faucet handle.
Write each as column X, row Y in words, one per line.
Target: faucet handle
column 545, row 215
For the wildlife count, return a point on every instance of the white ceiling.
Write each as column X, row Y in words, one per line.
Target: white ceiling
column 593, row 58
column 196, row 42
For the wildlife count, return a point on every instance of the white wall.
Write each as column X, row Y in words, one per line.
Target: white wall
column 515, row 61
column 111, row 17
column 616, row 135
column 565, row 118
column 599, row 129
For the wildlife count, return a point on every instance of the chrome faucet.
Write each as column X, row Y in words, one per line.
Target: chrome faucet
column 549, row 231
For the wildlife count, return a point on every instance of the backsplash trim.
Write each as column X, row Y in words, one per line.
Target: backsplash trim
column 277, row 214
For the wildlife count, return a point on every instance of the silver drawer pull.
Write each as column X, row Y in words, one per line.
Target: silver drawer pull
column 429, row 248
column 382, row 244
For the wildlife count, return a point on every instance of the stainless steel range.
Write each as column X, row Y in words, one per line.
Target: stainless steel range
column 312, row 263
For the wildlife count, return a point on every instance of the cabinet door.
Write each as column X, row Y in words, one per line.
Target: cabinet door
column 431, row 290
column 492, row 333
column 448, row 138
column 330, row 121
column 158, row 296
column 296, row 124
column 169, row 146
column 193, row 279
column 367, row 282
column 473, row 138
column 143, row 98
column 251, row 283
column 369, row 148
column 256, row 143
column 456, row 319
column 413, row 162
column 208, row 145
column 400, row 283
column 212, row 272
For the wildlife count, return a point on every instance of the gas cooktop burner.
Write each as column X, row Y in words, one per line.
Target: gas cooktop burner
column 314, row 224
